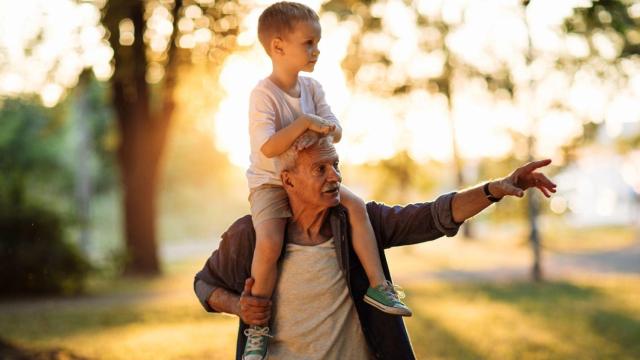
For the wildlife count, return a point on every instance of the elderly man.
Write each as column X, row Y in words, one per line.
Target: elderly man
column 318, row 309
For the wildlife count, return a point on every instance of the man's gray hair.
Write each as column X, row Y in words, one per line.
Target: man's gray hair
column 287, row 160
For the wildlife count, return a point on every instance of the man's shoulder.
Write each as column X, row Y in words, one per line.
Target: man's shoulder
column 242, row 227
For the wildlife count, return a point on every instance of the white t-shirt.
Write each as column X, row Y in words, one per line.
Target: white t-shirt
column 314, row 316
column 271, row 109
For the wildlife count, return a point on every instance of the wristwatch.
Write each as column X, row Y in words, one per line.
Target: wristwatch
column 488, row 194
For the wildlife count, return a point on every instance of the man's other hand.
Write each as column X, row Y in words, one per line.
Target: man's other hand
column 523, row 178
column 253, row 310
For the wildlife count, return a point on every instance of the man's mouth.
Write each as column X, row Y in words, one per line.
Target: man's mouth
column 331, row 189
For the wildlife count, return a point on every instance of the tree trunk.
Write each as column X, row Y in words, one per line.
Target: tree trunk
column 533, row 208
column 534, row 236
column 84, row 149
column 141, row 146
column 455, row 153
column 143, row 134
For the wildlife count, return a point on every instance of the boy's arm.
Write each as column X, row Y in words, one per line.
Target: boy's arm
column 282, row 140
column 323, row 110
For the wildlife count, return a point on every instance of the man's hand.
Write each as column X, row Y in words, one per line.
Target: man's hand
column 319, row 124
column 523, row 178
column 253, row 310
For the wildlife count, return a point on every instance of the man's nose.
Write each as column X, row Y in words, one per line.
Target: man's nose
column 334, row 175
column 316, row 51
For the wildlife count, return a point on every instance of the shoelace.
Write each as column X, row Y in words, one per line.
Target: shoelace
column 255, row 336
column 395, row 291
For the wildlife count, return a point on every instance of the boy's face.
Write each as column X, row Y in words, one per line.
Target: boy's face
column 298, row 50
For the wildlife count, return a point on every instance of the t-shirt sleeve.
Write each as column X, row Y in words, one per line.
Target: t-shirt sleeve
column 262, row 118
column 322, row 108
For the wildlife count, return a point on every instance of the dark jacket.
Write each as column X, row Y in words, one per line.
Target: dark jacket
column 230, row 265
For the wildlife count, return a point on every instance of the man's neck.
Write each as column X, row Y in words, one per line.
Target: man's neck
column 285, row 80
column 308, row 227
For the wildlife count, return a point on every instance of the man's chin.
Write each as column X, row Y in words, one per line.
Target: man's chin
column 332, row 199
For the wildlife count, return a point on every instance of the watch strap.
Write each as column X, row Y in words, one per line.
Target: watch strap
column 488, row 194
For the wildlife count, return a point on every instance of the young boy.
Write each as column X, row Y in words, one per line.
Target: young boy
column 282, row 107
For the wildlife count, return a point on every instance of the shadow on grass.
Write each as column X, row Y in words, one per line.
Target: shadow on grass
column 10, row 351
column 59, row 318
column 558, row 302
column 436, row 341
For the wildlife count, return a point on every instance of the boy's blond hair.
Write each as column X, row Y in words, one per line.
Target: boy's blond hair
column 280, row 18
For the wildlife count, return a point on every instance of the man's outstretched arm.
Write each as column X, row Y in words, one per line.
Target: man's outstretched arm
column 467, row 203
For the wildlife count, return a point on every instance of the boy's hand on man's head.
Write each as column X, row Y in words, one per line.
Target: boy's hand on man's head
column 305, row 140
column 319, row 124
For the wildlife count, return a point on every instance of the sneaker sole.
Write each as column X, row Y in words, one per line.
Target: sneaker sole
column 386, row 309
column 266, row 355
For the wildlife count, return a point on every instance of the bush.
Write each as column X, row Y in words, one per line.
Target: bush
column 35, row 257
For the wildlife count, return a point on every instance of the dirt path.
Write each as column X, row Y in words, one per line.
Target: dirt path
column 556, row 265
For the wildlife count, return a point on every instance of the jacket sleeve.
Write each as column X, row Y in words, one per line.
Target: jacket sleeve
column 228, row 266
column 413, row 223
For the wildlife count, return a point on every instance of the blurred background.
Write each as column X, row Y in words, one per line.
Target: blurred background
column 123, row 145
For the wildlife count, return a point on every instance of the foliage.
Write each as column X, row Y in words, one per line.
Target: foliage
column 35, row 257
column 31, row 150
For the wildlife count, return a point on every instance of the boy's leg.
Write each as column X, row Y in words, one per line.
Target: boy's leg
column 364, row 240
column 381, row 294
column 264, row 270
column 264, row 267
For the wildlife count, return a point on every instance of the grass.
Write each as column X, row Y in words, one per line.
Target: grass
column 557, row 320
column 161, row 319
column 129, row 319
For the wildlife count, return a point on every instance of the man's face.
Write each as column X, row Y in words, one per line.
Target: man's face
column 316, row 178
column 301, row 46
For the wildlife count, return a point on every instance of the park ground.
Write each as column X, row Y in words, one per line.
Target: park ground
column 471, row 299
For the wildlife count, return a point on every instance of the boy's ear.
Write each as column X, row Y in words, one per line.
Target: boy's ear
column 276, row 46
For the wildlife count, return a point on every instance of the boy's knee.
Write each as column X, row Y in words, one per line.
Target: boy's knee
column 354, row 203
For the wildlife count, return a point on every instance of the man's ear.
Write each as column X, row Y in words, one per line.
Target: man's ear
column 285, row 176
column 276, row 46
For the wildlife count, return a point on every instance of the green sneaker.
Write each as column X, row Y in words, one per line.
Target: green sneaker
column 257, row 343
column 386, row 298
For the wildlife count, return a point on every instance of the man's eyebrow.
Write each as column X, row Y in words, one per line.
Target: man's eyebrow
column 334, row 160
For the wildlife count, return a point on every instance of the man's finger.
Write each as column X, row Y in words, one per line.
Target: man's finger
column 530, row 167
column 544, row 181
column 255, row 301
column 258, row 321
column 543, row 191
column 248, row 285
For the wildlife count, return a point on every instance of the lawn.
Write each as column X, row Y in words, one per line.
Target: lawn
column 568, row 317
column 161, row 319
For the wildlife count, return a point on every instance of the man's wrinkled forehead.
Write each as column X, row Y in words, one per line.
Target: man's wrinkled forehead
column 319, row 153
